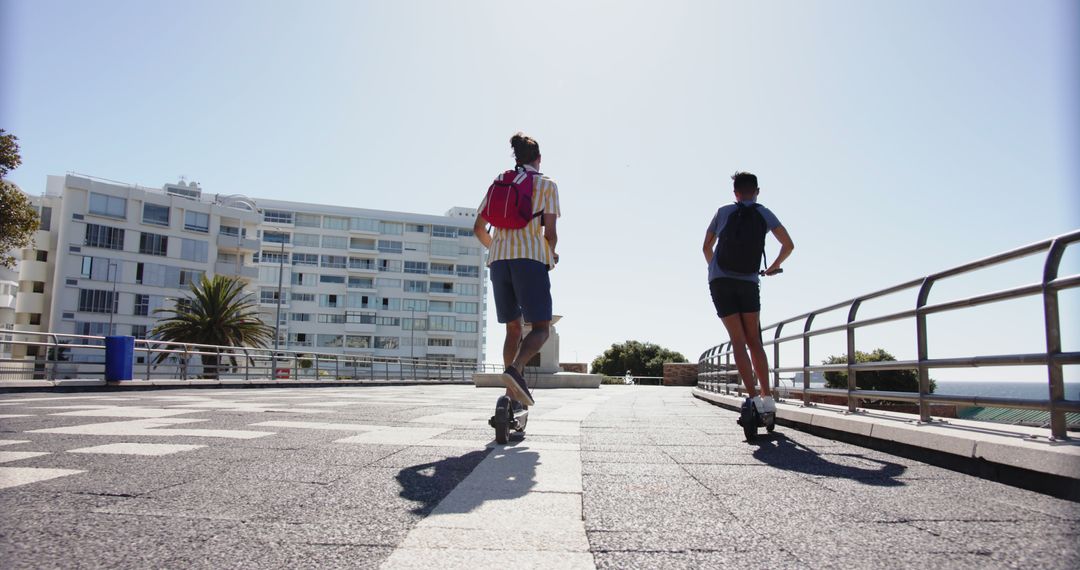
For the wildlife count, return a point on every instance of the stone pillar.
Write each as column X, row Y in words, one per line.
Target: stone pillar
column 549, row 353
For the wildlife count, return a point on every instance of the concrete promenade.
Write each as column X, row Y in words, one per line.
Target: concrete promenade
column 409, row 477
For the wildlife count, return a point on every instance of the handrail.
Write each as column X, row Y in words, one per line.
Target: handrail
column 712, row 374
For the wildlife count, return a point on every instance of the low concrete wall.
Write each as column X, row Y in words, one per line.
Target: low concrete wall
column 578, row 367
column 680, row 374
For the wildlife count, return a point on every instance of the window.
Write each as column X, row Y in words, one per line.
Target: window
column 87, row 269
column 416, row 228
column 466, row 308
column 197, row 221
column 330, row 301
column 328, row 340
column 300, row 317
column 335, row 223
column 361, row 263
column 187, row 277
column 442, row 269
column 439, row 306
column 411, row 324
column 362, row 243
column 331, row 319
column 386, row 342
column 444, row 249
column 334, row 261
column 363, row 225
column 471, row 289
column 359, row 301
column 416, row 267
column 391, row 228
column 306, row 240
column 444, row 232
column 277, row 217
column 303, row 297
column 386, row 282
column 356, row 341
column 440, row 342
column 304, row 279
column 466, row 326
column 390, row 265
column 442, row 287
column 153, row 244
column 96, row 301
column 415, row 246
column 142, row 305
column 331, row 279
column 389, row 246
column 361, row 318
column 466, row 343
column 335, row 242
column 361, row 283
column 468, row 271
column 275, row 257
column 194, row 250
column 307, row 220
column 35, row 319
column 310, row 259
column 268, row 295
column 388, row 304
column 94, row 329
column 138, row 331
column 415, row 286
column 229, row 231
column 300, row 339
column 414, row 305
column 104, row 205
column 38, row 286
column 469, row 250
column 229, row 258
column 437, row 323
column 155, row 214
column 41, row 255
column 46, row 219
column 276, row 237
column 104, row 236
column 388, row 321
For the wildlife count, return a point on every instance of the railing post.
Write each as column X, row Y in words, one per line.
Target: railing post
column 776, row 359
column 247, row 364
column 56, row 355
column 852, row 384
column 148, row 359
column 1052, row 316
column 337, row 367
column 806, row 358
column 923, row 348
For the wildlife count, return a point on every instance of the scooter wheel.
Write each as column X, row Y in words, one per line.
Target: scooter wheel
column 501, row 421
column 749, row 422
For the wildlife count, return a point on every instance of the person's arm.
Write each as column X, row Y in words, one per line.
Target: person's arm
column 479, row 229
column 707, row 248
column 786, row 247
column 550, row 233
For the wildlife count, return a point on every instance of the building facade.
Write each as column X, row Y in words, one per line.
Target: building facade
column 333, row 279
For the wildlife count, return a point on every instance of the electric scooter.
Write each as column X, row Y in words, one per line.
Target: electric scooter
column 751, row 419
column 509, row 415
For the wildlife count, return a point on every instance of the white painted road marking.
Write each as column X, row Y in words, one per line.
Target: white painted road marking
column 15, row 476
column 137, row 448
column 9, row 456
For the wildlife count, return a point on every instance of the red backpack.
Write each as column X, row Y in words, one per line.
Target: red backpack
column 509, row 199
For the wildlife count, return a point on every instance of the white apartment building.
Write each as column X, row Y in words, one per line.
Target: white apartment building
column 349, row 280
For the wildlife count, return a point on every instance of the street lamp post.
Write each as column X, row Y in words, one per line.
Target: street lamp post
column 412, row 331
column 277, row 316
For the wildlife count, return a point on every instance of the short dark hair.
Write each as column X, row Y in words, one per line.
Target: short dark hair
column 526, row 149
column 745, row 182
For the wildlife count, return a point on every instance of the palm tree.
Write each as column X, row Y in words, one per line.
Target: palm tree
column 217, row 311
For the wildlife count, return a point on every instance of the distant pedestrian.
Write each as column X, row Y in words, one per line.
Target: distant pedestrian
column 521, row 206
column 738, row 231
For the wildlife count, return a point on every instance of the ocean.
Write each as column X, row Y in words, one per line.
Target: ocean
column 1026, row 390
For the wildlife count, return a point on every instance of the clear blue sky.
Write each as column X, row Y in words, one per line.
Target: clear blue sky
column 892, row 138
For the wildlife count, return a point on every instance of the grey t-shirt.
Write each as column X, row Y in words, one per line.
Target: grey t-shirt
column 717, row 225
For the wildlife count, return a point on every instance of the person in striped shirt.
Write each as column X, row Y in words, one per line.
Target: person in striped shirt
column 518, row 264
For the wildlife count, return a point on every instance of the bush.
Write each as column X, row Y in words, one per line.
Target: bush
column 885, row 380
column 641, row 359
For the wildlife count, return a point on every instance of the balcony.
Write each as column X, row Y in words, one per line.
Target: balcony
column 359, row 327
column 245, row 271
column 234, row 243
column 33, row 270
column 30, row 303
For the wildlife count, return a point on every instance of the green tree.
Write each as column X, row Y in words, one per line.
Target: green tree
column 640, row 358
column 885, row 380
column 217, row 311
column 18, row 218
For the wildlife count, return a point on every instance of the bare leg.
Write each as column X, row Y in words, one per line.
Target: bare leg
column 752, row 327
column 734, row 325
column 512, row 344
column 532, row 344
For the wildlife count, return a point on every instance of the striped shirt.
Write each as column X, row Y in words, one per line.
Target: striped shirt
column 528, row 242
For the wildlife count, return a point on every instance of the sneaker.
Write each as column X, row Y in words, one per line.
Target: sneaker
column 768, row 406
column 758, row 404
column 516, row 383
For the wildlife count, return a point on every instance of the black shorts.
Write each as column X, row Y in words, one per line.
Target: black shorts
column 731, row 296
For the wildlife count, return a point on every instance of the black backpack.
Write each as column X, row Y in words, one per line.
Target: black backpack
column 741, row 246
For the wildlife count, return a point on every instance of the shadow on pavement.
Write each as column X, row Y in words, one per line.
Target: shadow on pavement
column 782, row 453
column 429, row 483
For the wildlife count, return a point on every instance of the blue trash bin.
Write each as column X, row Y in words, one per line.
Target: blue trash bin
column 119, row 357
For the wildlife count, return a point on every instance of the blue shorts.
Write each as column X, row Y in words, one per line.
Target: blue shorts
column 521, row 287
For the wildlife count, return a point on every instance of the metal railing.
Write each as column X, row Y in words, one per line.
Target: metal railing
column 55, row 356
column 715, row 364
